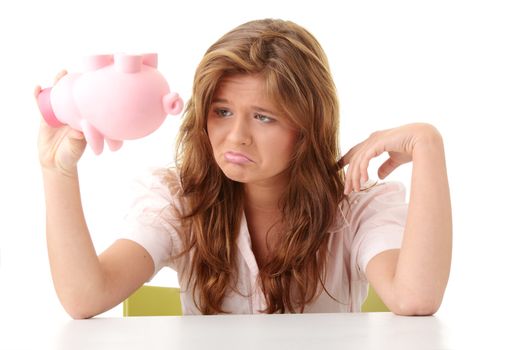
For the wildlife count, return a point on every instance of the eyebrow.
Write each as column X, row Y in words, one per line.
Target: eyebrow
column 261, row 109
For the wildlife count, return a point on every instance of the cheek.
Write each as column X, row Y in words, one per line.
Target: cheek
column 213, row 134
column 290, row 148
column 293, row 142
column 282, row 146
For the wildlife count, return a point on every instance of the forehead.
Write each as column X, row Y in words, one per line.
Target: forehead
column 242, row 85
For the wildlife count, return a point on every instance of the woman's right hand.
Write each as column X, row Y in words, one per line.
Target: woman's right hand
column 59, row 149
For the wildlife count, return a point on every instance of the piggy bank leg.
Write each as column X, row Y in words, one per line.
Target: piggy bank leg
column 93, row 137
column 114, row 145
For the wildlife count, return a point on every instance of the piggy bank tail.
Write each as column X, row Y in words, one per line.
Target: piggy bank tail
column 172, row 103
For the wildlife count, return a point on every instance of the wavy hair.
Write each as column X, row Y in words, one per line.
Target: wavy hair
column 298, row 79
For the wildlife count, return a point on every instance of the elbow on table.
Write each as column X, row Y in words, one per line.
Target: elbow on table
column 80, row 315
column 77, row 313
column 417, row 306
column 75, row 309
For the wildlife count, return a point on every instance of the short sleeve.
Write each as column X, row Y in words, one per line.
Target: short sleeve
column 151, row 220
column 379, row 217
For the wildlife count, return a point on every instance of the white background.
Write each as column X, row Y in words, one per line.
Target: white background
column 459, row 65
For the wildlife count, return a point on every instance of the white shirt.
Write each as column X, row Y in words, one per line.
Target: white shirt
column 369, row 223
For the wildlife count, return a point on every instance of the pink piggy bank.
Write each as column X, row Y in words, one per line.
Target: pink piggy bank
column 118, row 97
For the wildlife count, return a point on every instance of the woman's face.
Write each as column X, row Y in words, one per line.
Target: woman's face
column 252, row 140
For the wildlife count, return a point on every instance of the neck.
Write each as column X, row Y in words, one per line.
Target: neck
column 263, row 197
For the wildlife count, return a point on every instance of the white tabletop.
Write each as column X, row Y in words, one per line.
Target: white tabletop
column 307, row 331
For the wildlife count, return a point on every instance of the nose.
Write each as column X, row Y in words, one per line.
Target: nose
column 240, row 133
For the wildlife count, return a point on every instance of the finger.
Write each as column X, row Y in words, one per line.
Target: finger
column 348, row 156
column 360, row 176
column 37, row 90
column 348, row 176
column 363, row 170
column 358, row 162
column 348, row 182
column 344, row 160
column 353, row 164
column 353, row 171
column 356, row 173
column 75, row 134
column 365, row 163
column 59, row 76
column 386, row 168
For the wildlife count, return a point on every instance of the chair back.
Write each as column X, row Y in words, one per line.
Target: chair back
column 165, row 301
column 153, row 301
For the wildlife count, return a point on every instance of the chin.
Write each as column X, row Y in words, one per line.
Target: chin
column 237, row 173
column 237, row 176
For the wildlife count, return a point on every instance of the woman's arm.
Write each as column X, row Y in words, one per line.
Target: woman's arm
column 86, row 284
column 412, row 280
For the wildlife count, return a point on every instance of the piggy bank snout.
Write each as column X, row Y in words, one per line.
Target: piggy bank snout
column 46, row 108
column 172, row 103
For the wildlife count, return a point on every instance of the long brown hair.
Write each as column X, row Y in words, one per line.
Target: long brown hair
column 298, row 79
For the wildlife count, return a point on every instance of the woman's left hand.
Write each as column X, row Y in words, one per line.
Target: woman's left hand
column 399, row 142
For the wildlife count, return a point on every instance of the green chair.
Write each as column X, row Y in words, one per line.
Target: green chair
column 373, row 302
column 153, row 301
column 165, row 301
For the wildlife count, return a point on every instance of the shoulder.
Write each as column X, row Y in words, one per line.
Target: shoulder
column 157, row 188
column 380, row 198
column 161, row 179
column 153, row 220
column 378, row 195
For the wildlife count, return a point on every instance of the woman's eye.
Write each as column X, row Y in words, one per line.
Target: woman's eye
column 223, row 112
column 263, row 118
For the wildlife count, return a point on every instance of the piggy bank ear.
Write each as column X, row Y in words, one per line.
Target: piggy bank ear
column 172, row 103
column 150, row 59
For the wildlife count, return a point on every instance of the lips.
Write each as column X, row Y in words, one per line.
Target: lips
column 237, row 158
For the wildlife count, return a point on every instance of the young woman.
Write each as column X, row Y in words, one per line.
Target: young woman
column 258, row 214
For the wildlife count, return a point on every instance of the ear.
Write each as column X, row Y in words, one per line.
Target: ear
column 172, row 103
